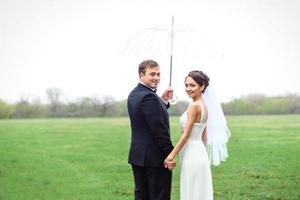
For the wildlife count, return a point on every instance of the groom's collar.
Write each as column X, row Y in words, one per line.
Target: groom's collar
column 153, row 89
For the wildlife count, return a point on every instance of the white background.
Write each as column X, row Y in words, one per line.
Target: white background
column 253, row 46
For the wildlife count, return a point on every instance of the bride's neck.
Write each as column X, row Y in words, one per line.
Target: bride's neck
column 198, row 98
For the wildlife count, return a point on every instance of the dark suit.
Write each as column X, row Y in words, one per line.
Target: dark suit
column 150, row 144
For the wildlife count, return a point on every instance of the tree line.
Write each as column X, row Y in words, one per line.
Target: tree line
column 261, row 104
column 107, row 106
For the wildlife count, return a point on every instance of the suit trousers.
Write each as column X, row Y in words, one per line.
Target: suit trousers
column 152, row 183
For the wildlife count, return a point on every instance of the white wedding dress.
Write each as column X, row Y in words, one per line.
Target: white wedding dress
column 195, row 172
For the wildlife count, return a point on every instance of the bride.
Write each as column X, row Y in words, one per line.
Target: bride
column 195, row 172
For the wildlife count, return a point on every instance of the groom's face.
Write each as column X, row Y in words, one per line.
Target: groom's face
column 151, row 77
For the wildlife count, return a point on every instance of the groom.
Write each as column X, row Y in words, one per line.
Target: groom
column 150, row 135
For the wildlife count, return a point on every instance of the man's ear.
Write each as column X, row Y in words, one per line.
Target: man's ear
column 141, row 74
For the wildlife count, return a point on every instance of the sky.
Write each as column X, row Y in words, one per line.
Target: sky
column 90, row 48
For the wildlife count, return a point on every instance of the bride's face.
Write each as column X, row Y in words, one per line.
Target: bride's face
column 192, row 88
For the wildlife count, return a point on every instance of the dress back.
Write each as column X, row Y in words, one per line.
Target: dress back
column 198, row 127
column 195, row 173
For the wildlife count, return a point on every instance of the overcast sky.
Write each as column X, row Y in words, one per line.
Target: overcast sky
column 93, row 47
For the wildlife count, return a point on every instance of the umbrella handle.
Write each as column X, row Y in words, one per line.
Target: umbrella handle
column 170, row 82
column 171, row 55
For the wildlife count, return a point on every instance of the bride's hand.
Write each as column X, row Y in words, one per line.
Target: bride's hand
column 170, row 163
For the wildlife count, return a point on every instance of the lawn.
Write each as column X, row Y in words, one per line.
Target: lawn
column 78, row 159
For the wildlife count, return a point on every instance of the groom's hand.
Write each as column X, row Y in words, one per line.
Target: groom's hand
column 167, row 95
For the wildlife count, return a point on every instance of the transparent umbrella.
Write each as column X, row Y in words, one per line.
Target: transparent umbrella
column 181, row 45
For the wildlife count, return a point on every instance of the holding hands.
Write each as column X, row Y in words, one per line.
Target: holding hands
column 170, row 163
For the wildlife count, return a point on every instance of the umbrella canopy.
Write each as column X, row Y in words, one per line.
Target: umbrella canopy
column 172, row 45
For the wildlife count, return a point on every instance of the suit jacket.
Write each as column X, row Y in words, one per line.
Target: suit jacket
column 150, row 131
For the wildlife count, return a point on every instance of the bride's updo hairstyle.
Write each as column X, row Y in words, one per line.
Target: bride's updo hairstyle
column 200, row 77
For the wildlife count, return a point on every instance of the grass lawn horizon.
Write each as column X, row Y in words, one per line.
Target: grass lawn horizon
column 71, row 159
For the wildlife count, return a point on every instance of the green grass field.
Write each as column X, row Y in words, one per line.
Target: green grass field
column 86, row 159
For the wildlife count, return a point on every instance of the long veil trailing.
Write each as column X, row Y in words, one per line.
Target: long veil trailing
column 216, row 128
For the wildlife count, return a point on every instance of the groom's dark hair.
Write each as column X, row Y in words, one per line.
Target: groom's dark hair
column 145, row 64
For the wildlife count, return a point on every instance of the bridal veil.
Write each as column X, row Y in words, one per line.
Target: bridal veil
column 216, row 127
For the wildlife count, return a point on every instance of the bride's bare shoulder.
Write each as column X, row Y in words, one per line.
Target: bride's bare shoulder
column 195, row 106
